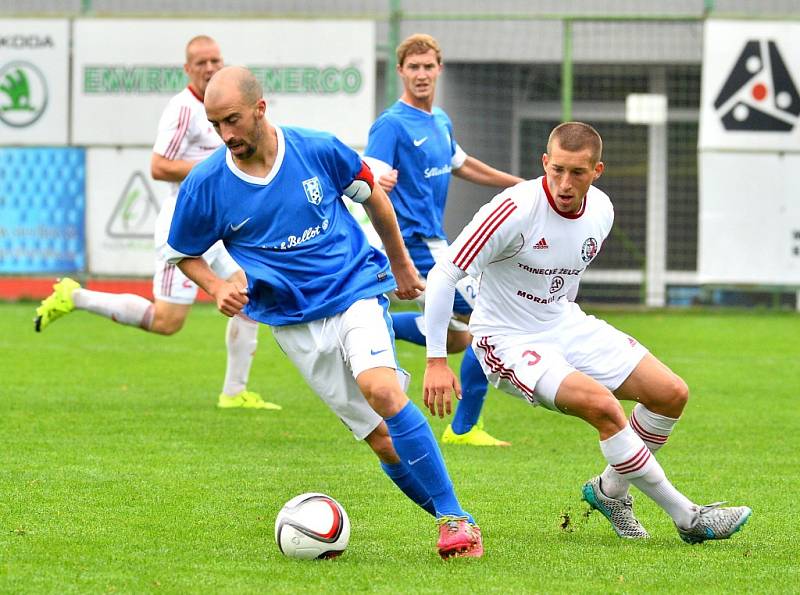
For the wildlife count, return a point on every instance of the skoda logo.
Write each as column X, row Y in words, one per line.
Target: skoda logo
column 23, row 94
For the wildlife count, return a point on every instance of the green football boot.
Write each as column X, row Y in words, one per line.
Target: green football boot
column 57, row 304
column 245, row 400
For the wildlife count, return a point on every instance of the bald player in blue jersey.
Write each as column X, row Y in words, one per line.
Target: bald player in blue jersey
column 412, row 150
column 273, row 196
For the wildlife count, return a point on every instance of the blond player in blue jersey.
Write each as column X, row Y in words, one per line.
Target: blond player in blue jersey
column 413, row 151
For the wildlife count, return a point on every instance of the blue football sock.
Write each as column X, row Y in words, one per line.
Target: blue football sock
column 406, row 327
column 473, row 392
column 400, row 475
column 417, row 448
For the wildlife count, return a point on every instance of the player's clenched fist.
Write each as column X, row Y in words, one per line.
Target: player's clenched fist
column 231, row 298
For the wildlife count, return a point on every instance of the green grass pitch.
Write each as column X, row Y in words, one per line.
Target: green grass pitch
column 118, row 474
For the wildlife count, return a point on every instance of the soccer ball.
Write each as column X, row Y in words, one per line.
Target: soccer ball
column 312, row 526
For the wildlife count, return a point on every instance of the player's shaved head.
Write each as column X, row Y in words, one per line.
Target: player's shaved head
column 234, row 79
column 195, row 42
column 577, row 136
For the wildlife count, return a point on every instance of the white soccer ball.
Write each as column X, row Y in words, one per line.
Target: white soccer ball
column 312, row 526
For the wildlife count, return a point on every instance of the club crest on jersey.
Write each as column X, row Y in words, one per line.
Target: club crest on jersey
column 313, row 190
column 589, row 250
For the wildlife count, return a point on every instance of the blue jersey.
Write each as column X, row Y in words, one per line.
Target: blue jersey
column 305, row 256
column 421, row 146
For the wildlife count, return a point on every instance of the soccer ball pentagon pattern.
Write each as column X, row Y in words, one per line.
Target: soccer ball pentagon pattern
column 312, row 526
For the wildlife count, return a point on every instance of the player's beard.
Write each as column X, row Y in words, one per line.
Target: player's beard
column 249, row 151
column 250, row 147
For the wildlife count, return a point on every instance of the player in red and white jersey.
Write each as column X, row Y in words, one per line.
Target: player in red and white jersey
column 529, row 246
column 185, row 137
column 538, row 255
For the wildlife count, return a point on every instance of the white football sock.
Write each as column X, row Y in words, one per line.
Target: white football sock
column 653, row 429
column 241, row 339
column 627, row 453
column 125, row 308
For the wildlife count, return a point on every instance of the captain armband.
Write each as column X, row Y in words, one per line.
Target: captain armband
column 360, row 189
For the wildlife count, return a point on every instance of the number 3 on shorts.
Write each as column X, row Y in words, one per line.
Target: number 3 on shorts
column 535, row 358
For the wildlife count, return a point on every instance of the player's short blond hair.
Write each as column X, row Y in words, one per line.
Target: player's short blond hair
column 197, row 39
column 577, row 136
column 419, row 43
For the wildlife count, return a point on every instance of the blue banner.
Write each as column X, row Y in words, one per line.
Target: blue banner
column 42, row 207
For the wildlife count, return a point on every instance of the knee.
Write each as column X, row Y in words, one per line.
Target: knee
column 607, row 409
column 385, row 398
column 457, row 341
column 677, row 393
column 604, row 412
column 166, row 326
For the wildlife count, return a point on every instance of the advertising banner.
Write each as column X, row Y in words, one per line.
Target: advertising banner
column 749, row 223
column 42, row 210
column 750, row 95
column 749, row 147
column 34, row 81
column 122, row 203
column 317, row 74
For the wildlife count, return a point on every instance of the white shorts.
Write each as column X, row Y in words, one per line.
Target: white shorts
column 171, row 285
column 533, row 366
column 330, row 353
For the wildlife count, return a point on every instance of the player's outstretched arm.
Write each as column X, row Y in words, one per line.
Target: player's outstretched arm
column 230, row 297
column 381, row 213
column 476, row 171
column 440, row 384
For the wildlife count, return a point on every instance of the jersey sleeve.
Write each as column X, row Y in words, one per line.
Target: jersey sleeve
column 494, row 230
column 457, row 155
column 194, row 228
column 173, row 131
column 458, row 158
column 345, row 165
column 382, row 142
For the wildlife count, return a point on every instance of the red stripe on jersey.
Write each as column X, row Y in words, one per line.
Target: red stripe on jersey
column 644, row 434
column 480, row 236
column 195, row 93
column 496, row 366
column 635, row 463
column 553, row 203
column 180, row 132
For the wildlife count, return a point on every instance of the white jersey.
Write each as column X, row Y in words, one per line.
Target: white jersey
column 184, row 132
column 529, row 256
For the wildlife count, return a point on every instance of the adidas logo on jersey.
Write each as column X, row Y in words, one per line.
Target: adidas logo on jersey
column 541, row 245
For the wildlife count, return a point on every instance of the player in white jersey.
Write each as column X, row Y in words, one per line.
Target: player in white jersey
column 530, row 246
column 185, row 138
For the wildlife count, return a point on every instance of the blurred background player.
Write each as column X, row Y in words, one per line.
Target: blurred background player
column 273, row 194
column 412, row 150
column 185, row 138
column 531, row 245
